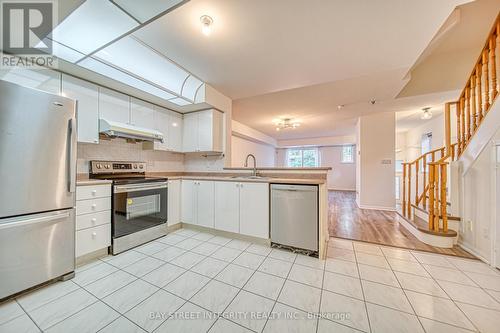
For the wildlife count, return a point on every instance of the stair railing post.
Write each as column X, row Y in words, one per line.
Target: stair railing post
column 404, row 190
column 444, row 200
column 431, row 197
column 408, row 207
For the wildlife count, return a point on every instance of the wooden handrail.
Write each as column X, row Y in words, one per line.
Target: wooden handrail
column 472, row 107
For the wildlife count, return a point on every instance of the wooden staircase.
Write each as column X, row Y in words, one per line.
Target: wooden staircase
column 425, row 180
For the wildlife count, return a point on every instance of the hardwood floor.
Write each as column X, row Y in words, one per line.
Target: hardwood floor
column 346, row 220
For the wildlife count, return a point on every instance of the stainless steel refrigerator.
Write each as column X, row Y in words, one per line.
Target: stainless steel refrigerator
column 37, row 187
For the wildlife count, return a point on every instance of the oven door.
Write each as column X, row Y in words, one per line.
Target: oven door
column 138, row 206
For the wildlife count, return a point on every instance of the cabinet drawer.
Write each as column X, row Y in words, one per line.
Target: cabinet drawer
column 92, row 205
column 92, row 220
column 93, row 239
column 93, row 191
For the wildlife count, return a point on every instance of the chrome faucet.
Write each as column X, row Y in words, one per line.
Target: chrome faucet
column 254, row 164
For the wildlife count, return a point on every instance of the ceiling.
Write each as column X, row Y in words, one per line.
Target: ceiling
column 447, row 62
column 263, row 46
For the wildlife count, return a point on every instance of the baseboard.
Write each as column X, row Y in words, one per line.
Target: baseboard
column 471, row 251
column 342, row 189
column 388, row 209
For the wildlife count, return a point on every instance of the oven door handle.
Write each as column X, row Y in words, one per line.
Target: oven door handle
column 139, row 187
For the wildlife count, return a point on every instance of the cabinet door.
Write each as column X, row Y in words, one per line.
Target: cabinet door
column 142, row 114
column 254, row 209
column 114, row 106
column 162, row 120
column 205, row 204
column 174, row 141
column 87, row 96
column 205, row 134
column 42, row 79
column 188, row 201
column 190, row 133
column 174, row 201
column 227, row 206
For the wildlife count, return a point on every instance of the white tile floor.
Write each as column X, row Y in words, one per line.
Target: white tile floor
column 196, row 282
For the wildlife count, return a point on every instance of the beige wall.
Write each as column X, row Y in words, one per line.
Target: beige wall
column 376, row 142
column 343, row 175
column 241, row 147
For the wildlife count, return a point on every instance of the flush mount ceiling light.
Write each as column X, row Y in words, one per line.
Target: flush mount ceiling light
column 206, row 24
column 286, row 123
column 427, row 114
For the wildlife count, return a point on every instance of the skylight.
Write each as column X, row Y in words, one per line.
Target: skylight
column 97, row 36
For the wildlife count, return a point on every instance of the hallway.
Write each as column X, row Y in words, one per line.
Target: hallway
column 348, row 221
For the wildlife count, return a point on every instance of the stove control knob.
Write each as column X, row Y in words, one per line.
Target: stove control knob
column 98, row 165
column 107, row 166
column 141, row 166
column 135, row 166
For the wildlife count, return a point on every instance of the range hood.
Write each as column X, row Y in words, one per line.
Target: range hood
column 116, row 129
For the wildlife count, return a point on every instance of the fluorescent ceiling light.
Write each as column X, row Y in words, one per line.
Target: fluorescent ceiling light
column 180, row 101
column 92, row 25
column 143, row 12
column 139, row 59
column 190, row 87
column 26, row 77
column 103, row 69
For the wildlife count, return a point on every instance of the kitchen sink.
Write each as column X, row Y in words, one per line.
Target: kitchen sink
column 249, row 177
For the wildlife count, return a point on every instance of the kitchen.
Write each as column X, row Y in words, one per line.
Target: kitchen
column 133, row 177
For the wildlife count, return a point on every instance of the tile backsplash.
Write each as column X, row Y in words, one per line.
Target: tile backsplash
column 121, row 150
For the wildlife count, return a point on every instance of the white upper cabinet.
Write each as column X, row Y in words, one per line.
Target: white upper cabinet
column 175, row 126
column 190, row 133
column 203, row 131
column 142, row 114
column 87, row 96
column 42, row 79
column 114, row 106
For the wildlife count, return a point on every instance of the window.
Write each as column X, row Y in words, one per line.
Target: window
column 347, row 154
column 398, row 188
column 426, row 146
column 302, row 158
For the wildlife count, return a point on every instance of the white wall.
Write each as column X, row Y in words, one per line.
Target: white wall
column 241, row 147
column 343, row 175
column 478, row 204
column 414, row 137
column 376, row 143
column 321, row 141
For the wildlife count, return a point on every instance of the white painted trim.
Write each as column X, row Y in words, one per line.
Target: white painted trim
column 482, row 137
column 471, row 251
column 389, row 209
column 342, row 189
column 434, row 240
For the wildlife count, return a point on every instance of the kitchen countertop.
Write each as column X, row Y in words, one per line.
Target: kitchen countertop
column 281, row 169
column 81, row 180
column 272, row 180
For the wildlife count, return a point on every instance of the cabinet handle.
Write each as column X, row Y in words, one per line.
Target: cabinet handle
column 94, row 234
column 94, row 220
column 94, row 192
column 94, row 206
column 241, row 185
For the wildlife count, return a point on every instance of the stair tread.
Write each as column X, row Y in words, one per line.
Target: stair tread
column 423, row 226
column 450, row 217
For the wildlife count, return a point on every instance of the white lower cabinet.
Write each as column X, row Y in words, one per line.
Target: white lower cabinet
column 93, row 218
column 205, row 203
column 174, row 201
column 238, row 207
column 254, row 209
column 187, row 201
column 227, row 206
column 198, row 202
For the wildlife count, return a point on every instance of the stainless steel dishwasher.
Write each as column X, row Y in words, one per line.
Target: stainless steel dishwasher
column 294, row 216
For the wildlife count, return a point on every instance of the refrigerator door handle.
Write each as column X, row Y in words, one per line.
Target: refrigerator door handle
column 41, row 219
column 71, row 155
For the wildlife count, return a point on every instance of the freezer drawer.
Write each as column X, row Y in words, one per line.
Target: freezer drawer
column 35, row 248
column 294, row 216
